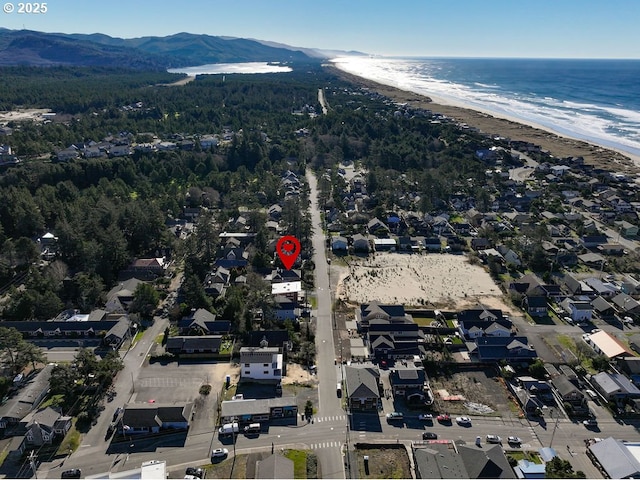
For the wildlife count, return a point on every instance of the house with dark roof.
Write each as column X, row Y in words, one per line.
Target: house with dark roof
column 153, row 418
column 570, row 393
column 388, row 339
column 120, row 297
column 190, row 345
column 502, row 348
column 471, row 329
column 602, row 307
column 28, row 395
column 535, row 305
column 273, row 338
column 117, row 334
column 232, row 257
column 437, row 459
column 412, row 384
column 377, row 310
column 479, row 314
column 362, row 385
column 203, row 322
column 626, row 304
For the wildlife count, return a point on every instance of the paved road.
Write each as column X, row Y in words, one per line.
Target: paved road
column 328, row 402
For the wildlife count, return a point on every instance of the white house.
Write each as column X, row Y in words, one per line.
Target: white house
column 578, row 310
column 261, row 363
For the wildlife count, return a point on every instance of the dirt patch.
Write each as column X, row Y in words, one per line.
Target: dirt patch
column 474, row 390
column 296, row 374
column 383, row 462
column 440, row 281
column 23, row 115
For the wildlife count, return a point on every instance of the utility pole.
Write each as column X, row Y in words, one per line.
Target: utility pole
column 32, row 464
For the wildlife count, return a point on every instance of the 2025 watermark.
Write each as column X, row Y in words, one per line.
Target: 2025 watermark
column 25, row 8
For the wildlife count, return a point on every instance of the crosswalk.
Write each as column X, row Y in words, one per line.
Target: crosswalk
column 334, row 418
column 321, row 445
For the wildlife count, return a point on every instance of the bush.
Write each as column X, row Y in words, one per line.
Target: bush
column 205, row 389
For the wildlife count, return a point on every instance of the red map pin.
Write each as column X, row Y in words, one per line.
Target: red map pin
column 288, row 248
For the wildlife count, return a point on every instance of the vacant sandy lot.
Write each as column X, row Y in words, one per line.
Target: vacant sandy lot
column 435, row 280
column 21, row 115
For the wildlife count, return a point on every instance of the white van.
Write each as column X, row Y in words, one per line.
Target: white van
column 252, row 428
column 229, row 428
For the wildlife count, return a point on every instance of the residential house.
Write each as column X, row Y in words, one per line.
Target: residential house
column 412, row 384
column 362, row 385
column 120, row 297
column 602, row 307
column 232, row 257
column 154, row 418
column 626, row 229
column 261, row 363
column 24, row 398
column 155, row 266
column 625, row 304
column 536, row 305
column 203, row 322
column 616, row 458
column 361, row 243
column 611, row 249
column 614, row 386
column 576, row 287
column 270, row 338
column 433, row 244
column 578, row 310
column 493, row 349
column 593, row 260
column 470, row 329
column 593, row 241
column 377, row 227
column 376, row 310
column 43, row 426
column 570, row 393
column 480, row 243
column 117, row 334
column 600, row 288
column 339, row 244
column 192, row 345
column 388, row 339
column 437, row 459
column 285, row 308
column 479, row 314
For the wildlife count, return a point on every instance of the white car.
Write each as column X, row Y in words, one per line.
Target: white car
column 425, row 416
column 514, row 440
column 494, row 439
column 463, row 421
column 219, row 452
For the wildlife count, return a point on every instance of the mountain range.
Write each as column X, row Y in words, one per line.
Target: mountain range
column 26, row 47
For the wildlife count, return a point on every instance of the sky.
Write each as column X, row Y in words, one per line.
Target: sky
column 449, row 28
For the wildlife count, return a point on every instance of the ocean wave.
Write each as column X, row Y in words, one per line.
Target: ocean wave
column 611, row 126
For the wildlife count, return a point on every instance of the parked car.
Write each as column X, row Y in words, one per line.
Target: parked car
column 444, row 418
column 117, row 413
column 493, row 439
column 194, row 472
column 514, row 440
column 429, row 436
column 395, row 416
column 425, row 417
column 72, row 473
column 219, row 452
column 464, row 421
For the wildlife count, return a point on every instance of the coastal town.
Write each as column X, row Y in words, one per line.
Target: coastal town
column 486, row 330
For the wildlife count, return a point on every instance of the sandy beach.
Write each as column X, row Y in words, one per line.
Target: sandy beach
column 428, row 281
column 558, row 145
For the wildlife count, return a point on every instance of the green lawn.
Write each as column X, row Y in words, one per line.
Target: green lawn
column 299, row 458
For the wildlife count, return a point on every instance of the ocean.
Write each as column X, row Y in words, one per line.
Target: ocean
column 593, row 100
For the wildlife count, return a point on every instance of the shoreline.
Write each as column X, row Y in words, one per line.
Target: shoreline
column 559, row 145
